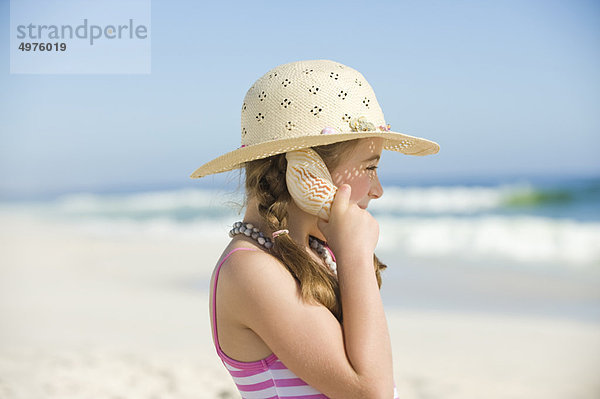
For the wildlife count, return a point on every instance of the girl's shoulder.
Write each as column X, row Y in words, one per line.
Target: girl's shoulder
column 244, row 266
column 252, row 285
column 240, row 252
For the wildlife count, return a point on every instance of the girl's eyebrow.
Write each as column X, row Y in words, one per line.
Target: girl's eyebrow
column 373, row 158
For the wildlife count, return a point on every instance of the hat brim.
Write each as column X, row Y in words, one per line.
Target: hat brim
column 394, row 141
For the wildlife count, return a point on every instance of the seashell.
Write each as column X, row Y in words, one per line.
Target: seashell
column 309, row 182
column 248, row 232
column 261, row 240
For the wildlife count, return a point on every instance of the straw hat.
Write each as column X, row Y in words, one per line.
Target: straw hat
column 310, row 103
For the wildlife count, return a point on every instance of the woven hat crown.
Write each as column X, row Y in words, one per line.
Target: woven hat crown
column 310, row 103
column 301, row 98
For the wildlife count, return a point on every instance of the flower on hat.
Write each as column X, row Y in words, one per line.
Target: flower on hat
column 361, row 124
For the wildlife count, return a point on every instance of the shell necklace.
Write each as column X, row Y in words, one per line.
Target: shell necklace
column 249, row 230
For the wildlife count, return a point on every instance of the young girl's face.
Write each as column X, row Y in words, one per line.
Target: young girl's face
column 359, row 170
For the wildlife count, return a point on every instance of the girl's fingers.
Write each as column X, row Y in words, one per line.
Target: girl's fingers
column 339, row 206
column 341, row 201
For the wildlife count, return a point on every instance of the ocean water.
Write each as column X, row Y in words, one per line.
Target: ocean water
column 530, row 248
column 555, row 223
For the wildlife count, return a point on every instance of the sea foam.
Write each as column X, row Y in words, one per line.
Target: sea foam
column 454, row 222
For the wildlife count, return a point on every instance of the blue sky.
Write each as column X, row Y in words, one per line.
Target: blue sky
column 507, row 88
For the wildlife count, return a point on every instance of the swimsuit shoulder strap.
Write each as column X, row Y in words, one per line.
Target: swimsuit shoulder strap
column 214, row 297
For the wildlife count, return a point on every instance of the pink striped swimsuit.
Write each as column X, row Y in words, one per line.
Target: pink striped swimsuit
column 266, row 378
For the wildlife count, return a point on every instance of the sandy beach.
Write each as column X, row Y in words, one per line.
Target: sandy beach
column 84, row 316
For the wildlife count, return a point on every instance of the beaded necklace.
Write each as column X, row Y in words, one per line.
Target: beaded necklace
column 249, row 230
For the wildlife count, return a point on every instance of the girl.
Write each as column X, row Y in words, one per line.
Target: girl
column 295, row 304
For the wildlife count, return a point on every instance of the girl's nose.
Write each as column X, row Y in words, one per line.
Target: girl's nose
column 376, row 188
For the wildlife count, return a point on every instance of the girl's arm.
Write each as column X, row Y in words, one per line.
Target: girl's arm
column 350, row 362
column 353, row 233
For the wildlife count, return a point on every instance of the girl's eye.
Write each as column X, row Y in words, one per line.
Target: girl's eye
column 372, row 167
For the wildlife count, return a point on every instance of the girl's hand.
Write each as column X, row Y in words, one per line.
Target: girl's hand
column 350, row 231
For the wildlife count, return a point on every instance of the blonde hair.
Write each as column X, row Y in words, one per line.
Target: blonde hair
column 265, row 182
